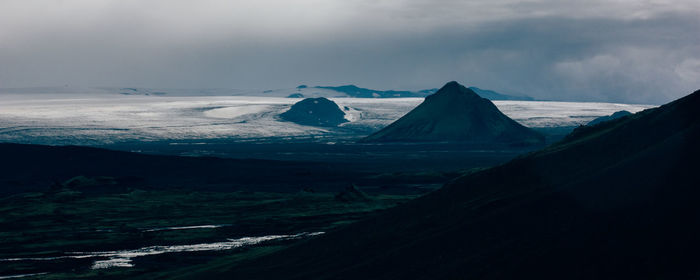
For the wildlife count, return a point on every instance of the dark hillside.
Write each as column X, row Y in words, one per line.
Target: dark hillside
column 619, row 200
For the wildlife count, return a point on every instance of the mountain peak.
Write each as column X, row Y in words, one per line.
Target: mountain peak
column 456, row 113
column 452, row 84
column 455, row 88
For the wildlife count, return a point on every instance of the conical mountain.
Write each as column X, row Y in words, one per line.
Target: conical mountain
column 457, row 114
column 618, row 200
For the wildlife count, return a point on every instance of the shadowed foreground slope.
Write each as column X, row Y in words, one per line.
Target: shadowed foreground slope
column 618, row 200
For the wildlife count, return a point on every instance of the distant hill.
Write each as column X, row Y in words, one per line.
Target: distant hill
column 456, row 113
column 295, row 95
column 616, row 115
column 618, row 200
column 315, row 112
column 358, row 92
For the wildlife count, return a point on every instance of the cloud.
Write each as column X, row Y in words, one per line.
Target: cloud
column 626, row 51
column 688, row 69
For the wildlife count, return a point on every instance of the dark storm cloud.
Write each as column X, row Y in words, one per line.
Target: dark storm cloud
column 559, row 50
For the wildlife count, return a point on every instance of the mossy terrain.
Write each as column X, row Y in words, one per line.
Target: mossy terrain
column 65, row 220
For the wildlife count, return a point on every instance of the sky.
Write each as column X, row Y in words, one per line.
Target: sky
column 632, row 51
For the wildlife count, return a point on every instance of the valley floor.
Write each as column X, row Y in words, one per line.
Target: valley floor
column 66, row 234
column 85, row 213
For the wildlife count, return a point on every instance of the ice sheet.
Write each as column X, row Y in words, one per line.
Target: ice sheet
column 99, row 119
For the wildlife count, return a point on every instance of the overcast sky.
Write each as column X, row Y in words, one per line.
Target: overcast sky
column 623, row 51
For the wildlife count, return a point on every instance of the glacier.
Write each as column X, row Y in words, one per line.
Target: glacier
column 95, row 119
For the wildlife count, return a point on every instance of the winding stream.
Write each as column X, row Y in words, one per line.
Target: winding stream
column 123, row 258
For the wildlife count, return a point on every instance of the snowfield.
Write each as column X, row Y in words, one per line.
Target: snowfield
column 102, row 119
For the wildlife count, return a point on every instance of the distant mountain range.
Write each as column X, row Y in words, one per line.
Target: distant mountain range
column 302, row 91
column 618, row 200
column 456, row 113
column 358, row 92
column 354, row 91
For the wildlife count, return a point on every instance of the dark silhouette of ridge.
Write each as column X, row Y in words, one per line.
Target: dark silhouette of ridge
column 619, row 200
column 456, row 113
column 616, row 115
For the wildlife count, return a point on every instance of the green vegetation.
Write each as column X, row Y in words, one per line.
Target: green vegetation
column 67, row 220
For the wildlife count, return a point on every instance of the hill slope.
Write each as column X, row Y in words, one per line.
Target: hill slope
column 614, row 201
column 456, row 113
